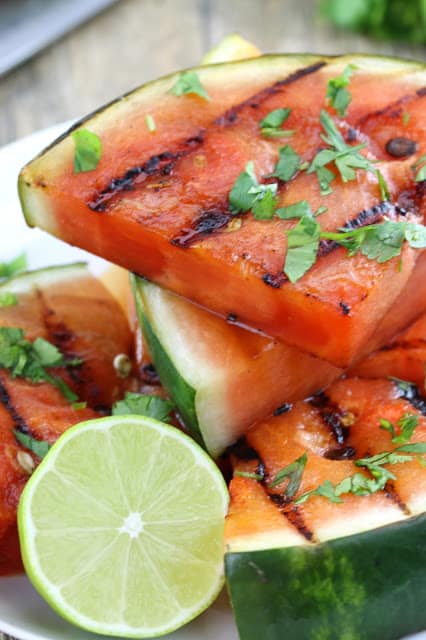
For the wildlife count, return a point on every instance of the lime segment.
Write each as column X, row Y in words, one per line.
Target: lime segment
column 121, row 527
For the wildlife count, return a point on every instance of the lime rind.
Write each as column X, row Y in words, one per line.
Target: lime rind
column 197, row 555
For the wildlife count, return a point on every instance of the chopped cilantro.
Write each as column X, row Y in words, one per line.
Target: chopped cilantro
column 248, row 474
column 384, row 189
column 337, row 94
column 150, row 123
column 302, row 248
column 406, row 116
column 248, row 194
column 326, row 489
column 421, row 166
column 88, row 150
column 9, row 269
column 8, row 299
column 189, row 83
column 270, row 126
column 30, row 360
column 144, row 405
column 293, row 472
column 344, row 157
column 406, row 424
column 298, row 210
column 363, row 485
column 38, row 447
column 288, row 164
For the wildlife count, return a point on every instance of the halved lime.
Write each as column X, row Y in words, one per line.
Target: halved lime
column 121, row 527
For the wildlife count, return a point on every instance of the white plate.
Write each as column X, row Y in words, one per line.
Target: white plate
column 23, row 613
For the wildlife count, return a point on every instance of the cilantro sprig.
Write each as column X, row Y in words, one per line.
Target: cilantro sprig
column 247, row 193
column 13, row 267
column 293, row 473
column 189, row 83
column 31, row 360
column 360, row 484
column 421, row 166
column 87, row 151
column 38, row 447
column 345, row 158
column 144, row 405
column 337, row 94
column 270, row 125
column 406, row 426
column 381, row 242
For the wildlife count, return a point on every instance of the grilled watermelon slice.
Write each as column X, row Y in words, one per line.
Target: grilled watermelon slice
column 158, row 201
column 323, row 569
column 222, row 378
column 72, row 310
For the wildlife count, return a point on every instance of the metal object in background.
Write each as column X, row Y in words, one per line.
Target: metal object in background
column 26, row 26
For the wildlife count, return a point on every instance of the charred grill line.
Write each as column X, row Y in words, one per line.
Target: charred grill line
column 18, row 421
column 295, row 518
column 161, row 164
column 254, row 102
column 393, row 495
column 333, row 420
column 411, row 393
column 394, row 109
column 243, row 451
column 164, row 163
column 205, row 225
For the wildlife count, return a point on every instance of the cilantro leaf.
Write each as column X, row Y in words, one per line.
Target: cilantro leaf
column 30, row 360
column 302, row 248
column 248, row 474
column 248, row 194
column 415, row 234
column 288, row 164
column 337, row 94
column 297, row 210
column 421, row 173
column 189, row 83
column 9, row 269
column 144, row 405
column 264, row 206
column 88, row 150
column 270, row 126
column 384, row 189
column 407, row 424
column 8, row 299
column 326, row 489
column 344, row 157
column 150, row 123
column 38, row 447
column 294, row 473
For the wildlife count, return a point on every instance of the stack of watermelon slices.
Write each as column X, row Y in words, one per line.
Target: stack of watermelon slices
column 234, row 340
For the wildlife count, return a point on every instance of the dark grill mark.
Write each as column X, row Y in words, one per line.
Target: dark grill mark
column 393, row 495
column 393, row 109
column 206, row 224
column 18, row 421
column 346, row 309
column 231, row 116
column 231, row 318
column 421, row 92
column 295, row 517
column 333, row 419
column 149, row 374
column 340, row 453
column 411, row 393
column 161, row 164
column 284, row 408
column 275, row 280
column 401, row 147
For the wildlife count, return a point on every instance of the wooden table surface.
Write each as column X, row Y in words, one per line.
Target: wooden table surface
column 137, row 40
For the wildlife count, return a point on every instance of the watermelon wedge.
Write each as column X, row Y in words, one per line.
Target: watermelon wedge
column 158, row 201
column 70, row 309
column 222, row 378
column 333, row 565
